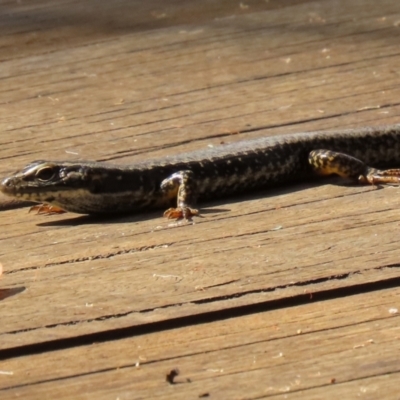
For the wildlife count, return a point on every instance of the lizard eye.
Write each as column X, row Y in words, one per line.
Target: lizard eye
column 45, row 173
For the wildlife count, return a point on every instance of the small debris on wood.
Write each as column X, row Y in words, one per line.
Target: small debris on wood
column 172, row 375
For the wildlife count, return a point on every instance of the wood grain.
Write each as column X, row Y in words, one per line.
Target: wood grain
column 309, row 271
column 345, row 346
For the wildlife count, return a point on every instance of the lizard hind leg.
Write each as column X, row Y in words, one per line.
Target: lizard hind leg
column 182, row 186
column 326, row 162
column 376, row 176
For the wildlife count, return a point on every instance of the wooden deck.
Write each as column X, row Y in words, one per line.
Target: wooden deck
column 290, row 294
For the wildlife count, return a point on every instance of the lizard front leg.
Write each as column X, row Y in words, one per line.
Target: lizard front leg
column 182, row 186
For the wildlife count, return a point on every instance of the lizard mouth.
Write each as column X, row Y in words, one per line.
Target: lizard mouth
column 12, row 187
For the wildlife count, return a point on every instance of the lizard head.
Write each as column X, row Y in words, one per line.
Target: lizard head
column 42, row 181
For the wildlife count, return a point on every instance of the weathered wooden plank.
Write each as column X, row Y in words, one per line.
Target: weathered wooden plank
column 128, row 277
column 347, row 345
column 130, row 94
column 140, row 80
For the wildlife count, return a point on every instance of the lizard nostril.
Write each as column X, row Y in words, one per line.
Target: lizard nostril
column 6, row 182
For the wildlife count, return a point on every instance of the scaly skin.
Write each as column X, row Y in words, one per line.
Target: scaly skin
column 99, row 188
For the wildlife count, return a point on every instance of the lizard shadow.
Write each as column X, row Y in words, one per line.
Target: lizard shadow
column 209, row 207
column 118, row 218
